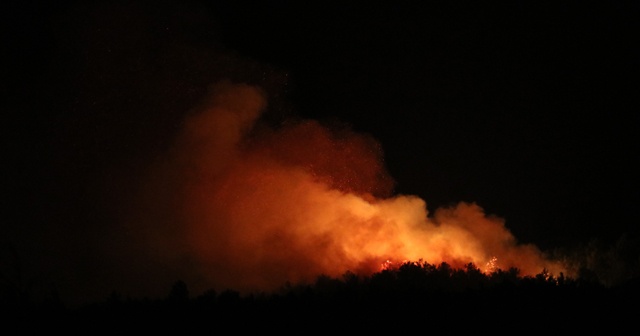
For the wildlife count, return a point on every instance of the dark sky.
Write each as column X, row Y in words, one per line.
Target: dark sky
column 526, row 109
column 529, row 110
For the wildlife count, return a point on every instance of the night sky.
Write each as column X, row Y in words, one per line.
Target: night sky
column 528, row 110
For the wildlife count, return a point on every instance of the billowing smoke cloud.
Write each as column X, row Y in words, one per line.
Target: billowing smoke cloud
column 239, row 205
column 228, row 201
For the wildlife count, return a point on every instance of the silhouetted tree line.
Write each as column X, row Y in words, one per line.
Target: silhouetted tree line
column 414, row 292
column 605, row 292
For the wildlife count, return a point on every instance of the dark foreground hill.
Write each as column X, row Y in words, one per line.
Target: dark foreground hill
column 415, row 298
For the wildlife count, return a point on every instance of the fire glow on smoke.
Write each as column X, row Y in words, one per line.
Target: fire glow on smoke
column 264, row 206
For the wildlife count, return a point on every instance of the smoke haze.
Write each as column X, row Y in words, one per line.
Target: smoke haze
column 144, row 150
column 252, row 207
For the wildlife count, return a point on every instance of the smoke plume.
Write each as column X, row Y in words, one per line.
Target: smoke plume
column 240, row 205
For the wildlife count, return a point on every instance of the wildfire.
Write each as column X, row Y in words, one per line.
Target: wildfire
column 386, row 265
column 390, row 265
column 492, row 265
column 264, row 206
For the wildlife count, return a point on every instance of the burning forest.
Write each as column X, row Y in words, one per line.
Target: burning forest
column 333, row 163
column 257, row 206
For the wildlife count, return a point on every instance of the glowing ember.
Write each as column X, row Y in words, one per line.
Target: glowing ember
column 265, row 206
column 388, row 264
column 492, row 265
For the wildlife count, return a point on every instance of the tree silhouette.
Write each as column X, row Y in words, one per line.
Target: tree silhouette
column 179, row 292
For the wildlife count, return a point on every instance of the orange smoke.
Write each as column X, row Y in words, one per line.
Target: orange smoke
column 264, row 206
